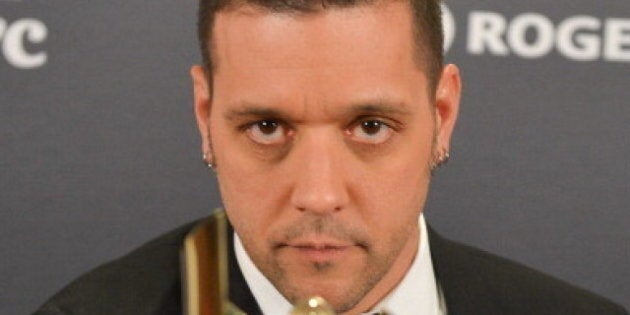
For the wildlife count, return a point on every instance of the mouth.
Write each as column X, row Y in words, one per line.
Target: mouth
column 318, row 249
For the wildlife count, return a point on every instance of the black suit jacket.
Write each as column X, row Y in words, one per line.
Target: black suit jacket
column 147, row 282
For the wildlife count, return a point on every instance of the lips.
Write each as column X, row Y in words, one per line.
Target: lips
column 319, row 244
column 318, row 249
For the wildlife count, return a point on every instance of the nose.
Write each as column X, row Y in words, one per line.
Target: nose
column 320, row 183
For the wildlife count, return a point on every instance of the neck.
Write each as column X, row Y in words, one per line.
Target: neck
column 392, row 278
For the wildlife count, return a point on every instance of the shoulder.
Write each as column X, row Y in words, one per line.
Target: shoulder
column 141, row 282
column 473, row 279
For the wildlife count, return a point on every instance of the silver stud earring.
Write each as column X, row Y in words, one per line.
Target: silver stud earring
column 441, row 160
column 207, row 162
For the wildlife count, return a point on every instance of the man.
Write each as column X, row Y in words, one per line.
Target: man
column 324, row 122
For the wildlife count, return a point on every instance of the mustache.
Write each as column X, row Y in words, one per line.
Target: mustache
column 320, row 226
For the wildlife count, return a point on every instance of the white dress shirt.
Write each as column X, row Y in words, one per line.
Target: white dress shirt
column 417, row 292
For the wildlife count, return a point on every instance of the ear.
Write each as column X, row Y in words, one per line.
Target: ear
column 447, row 98
column 202, row 106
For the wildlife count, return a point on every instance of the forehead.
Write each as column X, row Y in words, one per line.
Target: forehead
column 323, row 53
column 324, row 33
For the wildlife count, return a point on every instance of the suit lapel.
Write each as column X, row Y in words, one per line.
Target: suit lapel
column 466, row 290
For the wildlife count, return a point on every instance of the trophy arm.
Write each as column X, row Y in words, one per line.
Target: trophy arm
column 204, row 258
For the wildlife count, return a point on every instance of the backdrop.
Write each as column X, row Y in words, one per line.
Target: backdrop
column 99, row 151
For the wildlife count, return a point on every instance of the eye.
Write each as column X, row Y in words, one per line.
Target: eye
column 267, row 132
column 371, row 131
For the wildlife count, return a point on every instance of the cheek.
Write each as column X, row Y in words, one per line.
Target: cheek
column 253, row 199
column 239, row 180
column 395, row 200
column 249, row 201
column 395, row 192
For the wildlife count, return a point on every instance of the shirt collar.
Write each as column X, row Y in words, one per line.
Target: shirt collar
column 417, row 293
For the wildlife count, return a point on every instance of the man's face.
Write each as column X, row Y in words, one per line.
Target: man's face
column 323, row 132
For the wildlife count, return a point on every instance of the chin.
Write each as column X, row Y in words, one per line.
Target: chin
column 340, row 292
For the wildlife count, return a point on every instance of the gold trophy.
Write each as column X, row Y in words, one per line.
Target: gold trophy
column 205, row 273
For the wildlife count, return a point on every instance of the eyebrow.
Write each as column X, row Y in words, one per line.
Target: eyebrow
column 247, row 110
column 379, row 107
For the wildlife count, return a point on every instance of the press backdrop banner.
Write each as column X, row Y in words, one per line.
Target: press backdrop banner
column 100, row 153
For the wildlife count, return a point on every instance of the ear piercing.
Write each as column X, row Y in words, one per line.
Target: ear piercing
column 207, row 161
column 441, row 160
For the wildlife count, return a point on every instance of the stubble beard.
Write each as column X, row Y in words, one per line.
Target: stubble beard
column 377, row 262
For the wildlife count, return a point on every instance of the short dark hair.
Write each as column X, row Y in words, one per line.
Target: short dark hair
column 427, row 16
